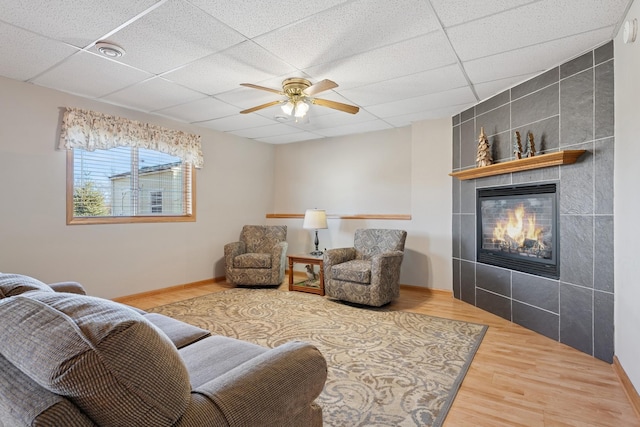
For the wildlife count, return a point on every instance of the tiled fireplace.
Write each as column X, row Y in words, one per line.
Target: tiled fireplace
column 569, row 107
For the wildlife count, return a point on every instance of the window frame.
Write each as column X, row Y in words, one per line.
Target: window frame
column 76, row 220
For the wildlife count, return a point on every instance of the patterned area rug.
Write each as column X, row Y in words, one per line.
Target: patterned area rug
column 386, row 368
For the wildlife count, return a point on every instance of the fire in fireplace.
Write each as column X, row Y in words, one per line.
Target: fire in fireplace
column 517, row 228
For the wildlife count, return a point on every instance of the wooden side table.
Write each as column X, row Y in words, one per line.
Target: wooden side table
column 306, row 259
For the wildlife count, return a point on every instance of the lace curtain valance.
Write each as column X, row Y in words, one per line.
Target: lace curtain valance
column 91, row 131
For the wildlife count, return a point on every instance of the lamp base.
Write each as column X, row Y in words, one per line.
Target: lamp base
column 316, row 253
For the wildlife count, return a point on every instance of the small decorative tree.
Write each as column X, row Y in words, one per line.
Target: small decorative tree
column 484, row 151
column 517, row 146
column 531, row 146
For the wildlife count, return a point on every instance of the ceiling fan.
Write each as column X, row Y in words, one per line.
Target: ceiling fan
column 299, row 94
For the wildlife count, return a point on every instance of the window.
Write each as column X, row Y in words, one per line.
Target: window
column 156, row 202
column 129, row 180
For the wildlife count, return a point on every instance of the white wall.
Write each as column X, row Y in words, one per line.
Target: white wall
column 397, row 171
column 234, row 188
column 627, row 202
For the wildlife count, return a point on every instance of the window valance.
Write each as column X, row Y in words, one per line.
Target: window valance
column 91, row 131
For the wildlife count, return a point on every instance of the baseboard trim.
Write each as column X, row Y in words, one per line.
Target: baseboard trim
column 155, row 292
column 427, row 290
column 627, row 385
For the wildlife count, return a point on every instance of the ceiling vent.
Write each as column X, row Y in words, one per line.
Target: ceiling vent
column 110, row 50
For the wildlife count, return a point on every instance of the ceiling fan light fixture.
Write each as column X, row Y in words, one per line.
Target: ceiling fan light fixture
column 110, row 50
column 301, row 108
column 287, row 108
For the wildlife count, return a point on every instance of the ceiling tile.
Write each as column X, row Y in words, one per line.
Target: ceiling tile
column 333, row 119
column 293, row 137
column 348, row 29
column 200, row 110
column 452, row 12
column 488, row 89
column 236, row 122
column 532, row 59
column 89, row 75
column 438, row 113
column 174, row 34
column 243, row 14
column 266, row 131
column 76, row 22
column 371, row 126
column 543, row 21
column 422, row 83
column 224, row 71
column 153, row 94
column 408, row 57
column 29, row 53
column 424, row 103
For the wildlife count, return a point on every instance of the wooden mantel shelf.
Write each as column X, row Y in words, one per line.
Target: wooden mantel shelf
column 566, row 157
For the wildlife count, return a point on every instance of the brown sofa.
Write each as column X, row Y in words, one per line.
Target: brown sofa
column 68, row 359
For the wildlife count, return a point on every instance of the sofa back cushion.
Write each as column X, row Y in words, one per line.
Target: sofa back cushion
column 261, row 238
column 371, row 241
column 106, row 358
column 16, row 284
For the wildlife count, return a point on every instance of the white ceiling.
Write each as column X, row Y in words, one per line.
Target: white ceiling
column 399, row 60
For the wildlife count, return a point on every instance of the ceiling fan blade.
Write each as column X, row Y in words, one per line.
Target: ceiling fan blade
column 268, row 89
column 260, row 107
column 321, row 86
column 352, row 109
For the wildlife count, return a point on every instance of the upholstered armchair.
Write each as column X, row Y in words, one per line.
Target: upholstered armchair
column 369, row 272
column 259, row 258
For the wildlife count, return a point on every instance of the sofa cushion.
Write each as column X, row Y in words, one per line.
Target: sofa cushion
column 181, row 334
column 16, row 284
column 252, row 261
column 358, row 271
column 107, row 359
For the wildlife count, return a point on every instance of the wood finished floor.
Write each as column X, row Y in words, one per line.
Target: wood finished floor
column 517, row 378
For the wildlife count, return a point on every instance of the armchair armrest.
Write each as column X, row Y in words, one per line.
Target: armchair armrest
column 70, row 287
column 232, row 250
column 332, row 257
column 385, row 268
column 269, row 388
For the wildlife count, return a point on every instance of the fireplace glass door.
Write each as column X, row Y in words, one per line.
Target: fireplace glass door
column 517, row 228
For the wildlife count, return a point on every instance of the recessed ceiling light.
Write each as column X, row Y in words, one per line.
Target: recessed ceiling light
column 110, row 50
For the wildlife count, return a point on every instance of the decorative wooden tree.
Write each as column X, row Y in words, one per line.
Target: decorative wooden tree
column 517, row 146
column 484, row 151
column 531, row 146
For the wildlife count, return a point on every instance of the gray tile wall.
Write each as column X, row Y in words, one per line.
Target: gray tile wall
column 567, row 107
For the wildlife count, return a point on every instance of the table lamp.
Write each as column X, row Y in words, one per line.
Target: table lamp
column 315, row 219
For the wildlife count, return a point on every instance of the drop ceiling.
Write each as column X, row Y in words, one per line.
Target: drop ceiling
column 400, row 61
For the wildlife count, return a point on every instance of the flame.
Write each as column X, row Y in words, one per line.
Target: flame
column 517, row 228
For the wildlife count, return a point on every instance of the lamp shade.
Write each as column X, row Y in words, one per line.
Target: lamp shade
column 315, row 219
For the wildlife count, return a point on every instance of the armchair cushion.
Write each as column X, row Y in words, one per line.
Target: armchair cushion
column 252, row 260
column 353, row 271
column 79, row 347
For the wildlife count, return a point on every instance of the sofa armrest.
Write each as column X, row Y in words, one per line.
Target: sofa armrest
column 270, row 388
column 70, row 287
